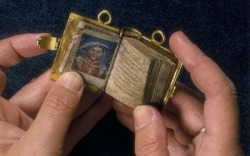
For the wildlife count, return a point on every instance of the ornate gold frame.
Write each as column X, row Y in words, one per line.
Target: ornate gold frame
column 62, row 44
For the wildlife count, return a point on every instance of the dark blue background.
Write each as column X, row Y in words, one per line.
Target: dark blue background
column 218, row 27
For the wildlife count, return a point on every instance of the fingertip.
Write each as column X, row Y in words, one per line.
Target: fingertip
column 72, row 81
column 174, row 43
column 185, row 50
column 143, row 115
column 150, row 132
column 175, row 37
column 15, row 48
column 36, row 36
column 178, row 38
column 26, row 44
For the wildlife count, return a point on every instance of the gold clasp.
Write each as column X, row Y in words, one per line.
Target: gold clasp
column 157, row 41
column 102, row 14
column 48, row 42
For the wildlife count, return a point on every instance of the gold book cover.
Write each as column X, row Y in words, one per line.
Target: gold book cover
column 122, row 62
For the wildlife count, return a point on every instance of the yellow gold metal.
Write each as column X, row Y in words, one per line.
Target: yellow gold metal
column 48, row 42
column 131, row 32
column 173, row 91
column 104, row 13
column 68, row 34
column 163, row 38
column 172, row 88
column 71, row 31
column 91, row 88
column 149, row 42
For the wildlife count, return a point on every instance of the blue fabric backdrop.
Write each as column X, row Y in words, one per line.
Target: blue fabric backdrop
column 218, row 27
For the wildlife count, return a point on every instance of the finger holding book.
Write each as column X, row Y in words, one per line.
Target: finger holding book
column 183, row 114
column 186, row 112
column 220, row 131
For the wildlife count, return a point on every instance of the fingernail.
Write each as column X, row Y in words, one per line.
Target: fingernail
column 183, row 37
column 143, row 116
column 71, row 80
column 39, row 35
column 42, row 34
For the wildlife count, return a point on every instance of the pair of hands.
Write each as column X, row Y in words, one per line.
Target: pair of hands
column 47, row 118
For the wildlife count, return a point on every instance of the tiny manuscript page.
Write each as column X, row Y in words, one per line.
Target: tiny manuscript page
column 128, row 77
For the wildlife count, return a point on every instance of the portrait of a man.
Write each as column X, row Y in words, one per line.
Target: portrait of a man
column 92, row 55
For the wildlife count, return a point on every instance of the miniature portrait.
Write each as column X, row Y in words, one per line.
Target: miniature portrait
column 93, row 56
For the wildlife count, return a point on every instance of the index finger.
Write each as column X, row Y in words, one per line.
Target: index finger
column 220, row 109
column 205, row 73
column 15, row 48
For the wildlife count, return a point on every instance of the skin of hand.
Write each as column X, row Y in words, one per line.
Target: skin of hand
column 45, row 117
column 175, row 131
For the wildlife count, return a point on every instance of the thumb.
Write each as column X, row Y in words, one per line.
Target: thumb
column 150, row 132
column 46, row 135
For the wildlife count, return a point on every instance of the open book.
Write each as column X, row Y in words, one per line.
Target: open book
column 121, row 62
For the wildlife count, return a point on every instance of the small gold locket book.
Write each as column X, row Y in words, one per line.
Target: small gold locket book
column 128, row 66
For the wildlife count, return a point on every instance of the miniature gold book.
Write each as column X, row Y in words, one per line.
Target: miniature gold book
column 123, row 63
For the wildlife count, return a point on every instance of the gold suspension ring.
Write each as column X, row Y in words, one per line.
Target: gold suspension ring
column 161, row 34
column 102, row 14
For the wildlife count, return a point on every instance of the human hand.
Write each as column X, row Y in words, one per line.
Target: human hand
column 179, row 130
column 44, row 117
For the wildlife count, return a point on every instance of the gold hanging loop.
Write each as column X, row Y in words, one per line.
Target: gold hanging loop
column 161, row 34
column 104, row 13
